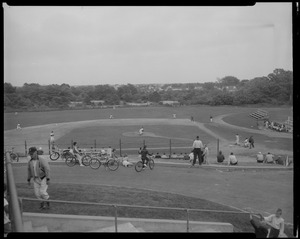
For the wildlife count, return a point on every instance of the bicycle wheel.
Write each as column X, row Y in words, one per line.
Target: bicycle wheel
column 151, row 164
column 112, row 164
column 14, row 157
column 71, row 161
column 54, row 156
column 86, row 160
column 94, row 163
column 139, row 166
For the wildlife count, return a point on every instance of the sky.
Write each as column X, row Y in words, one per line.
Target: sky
column 141, row 45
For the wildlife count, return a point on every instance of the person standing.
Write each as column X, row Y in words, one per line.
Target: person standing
column 277, row 224
column 237, row 139
column 205, row 154
column 251, row 142
column 52, row 138
column 39, row 171
column 198, row 146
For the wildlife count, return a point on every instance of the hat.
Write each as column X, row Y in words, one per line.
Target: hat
column 32, row 150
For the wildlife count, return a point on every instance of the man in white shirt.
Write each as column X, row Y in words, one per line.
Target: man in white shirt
column 260, row 157
column 269, row 158
column 198, row 146
column 277, row 224
column 141, row 131
column 232, row 159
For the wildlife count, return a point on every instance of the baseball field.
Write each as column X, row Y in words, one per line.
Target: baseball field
column 90, row 127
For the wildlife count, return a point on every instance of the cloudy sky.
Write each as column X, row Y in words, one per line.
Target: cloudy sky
column 120, row 45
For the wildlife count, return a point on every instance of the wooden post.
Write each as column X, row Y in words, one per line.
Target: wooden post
column 170, row 148
column 116, row 218
column 120, row 147
column 95, row 144
column 187, row 220
column 218, row 146
column 71, row 143
column 25, row 148
column 49, row 146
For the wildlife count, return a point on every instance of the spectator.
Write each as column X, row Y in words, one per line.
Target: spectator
column 198, row 146
column 109, row 151
column 164, row 156
column 191, row 156
column 251, row 142
column 280, row 161
column 269, row 158
column 220, row 157
column 260, row 157
column 246, row 143
column 125, row 161
column 186, row 157
column 260, row 227
column 157, row 156
column 40, row 151
column 7, row 224
column 232, row 159
column 237, row 139
column 205, row 154
column 19, row 127
column 114, row 154
column 76, row 152
column 52, row 137
column 277, row 224
column 211, row 119
column 174, row 156
column 39, row 170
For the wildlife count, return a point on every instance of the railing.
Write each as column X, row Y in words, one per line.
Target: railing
column 15, row 211
column 116, row 206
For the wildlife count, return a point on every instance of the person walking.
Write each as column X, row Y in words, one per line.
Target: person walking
column 251, row 142
column 39, row 171
column 198, row 146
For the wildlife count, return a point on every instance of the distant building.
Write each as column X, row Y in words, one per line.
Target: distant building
column 97, row 102
column 170, row 102
column 73, row 104
column 138, row 104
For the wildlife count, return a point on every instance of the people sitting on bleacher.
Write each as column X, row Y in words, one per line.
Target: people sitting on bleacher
column 164, row 156
column 157, row 156
column 280, row 161
column 186, row 156
column 269, row 158
column 260, row 157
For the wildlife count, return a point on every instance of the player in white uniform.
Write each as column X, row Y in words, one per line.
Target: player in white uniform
column 141, row 131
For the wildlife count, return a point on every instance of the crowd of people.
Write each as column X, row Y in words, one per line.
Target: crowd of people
column 279, row 127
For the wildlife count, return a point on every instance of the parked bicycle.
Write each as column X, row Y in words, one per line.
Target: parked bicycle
column 13, row 156
column 57, row 153
column 150, row 163
column 72, row 159
column 110, row 163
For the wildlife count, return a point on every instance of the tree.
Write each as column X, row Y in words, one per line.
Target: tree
column 228, row 81
column 8, row 88
column 154, row 97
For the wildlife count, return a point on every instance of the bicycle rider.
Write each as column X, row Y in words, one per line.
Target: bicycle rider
column 77, row 153
column 144, row 153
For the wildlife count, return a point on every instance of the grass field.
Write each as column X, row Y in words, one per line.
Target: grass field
column 200, row 113
column 121, row 195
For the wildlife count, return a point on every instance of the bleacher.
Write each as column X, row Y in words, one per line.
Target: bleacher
column 260, row 114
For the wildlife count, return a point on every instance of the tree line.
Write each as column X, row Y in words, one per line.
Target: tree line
column 274, row 89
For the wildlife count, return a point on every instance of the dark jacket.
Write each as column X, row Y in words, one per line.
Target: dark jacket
column 220, row 158
column 144, row 153
column 42, row 167
column 260, row 231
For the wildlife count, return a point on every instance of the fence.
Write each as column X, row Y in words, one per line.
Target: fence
column 154, row 145
column 14, row 206
column 116, row 207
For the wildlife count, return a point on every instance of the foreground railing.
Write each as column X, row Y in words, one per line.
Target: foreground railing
column 116, row 206
column 15, row 211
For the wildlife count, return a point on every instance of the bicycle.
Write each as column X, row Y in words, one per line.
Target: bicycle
column 71, row 160
column 110, row 163
column 63, row 153
column 150, row 162
column 13, row 156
